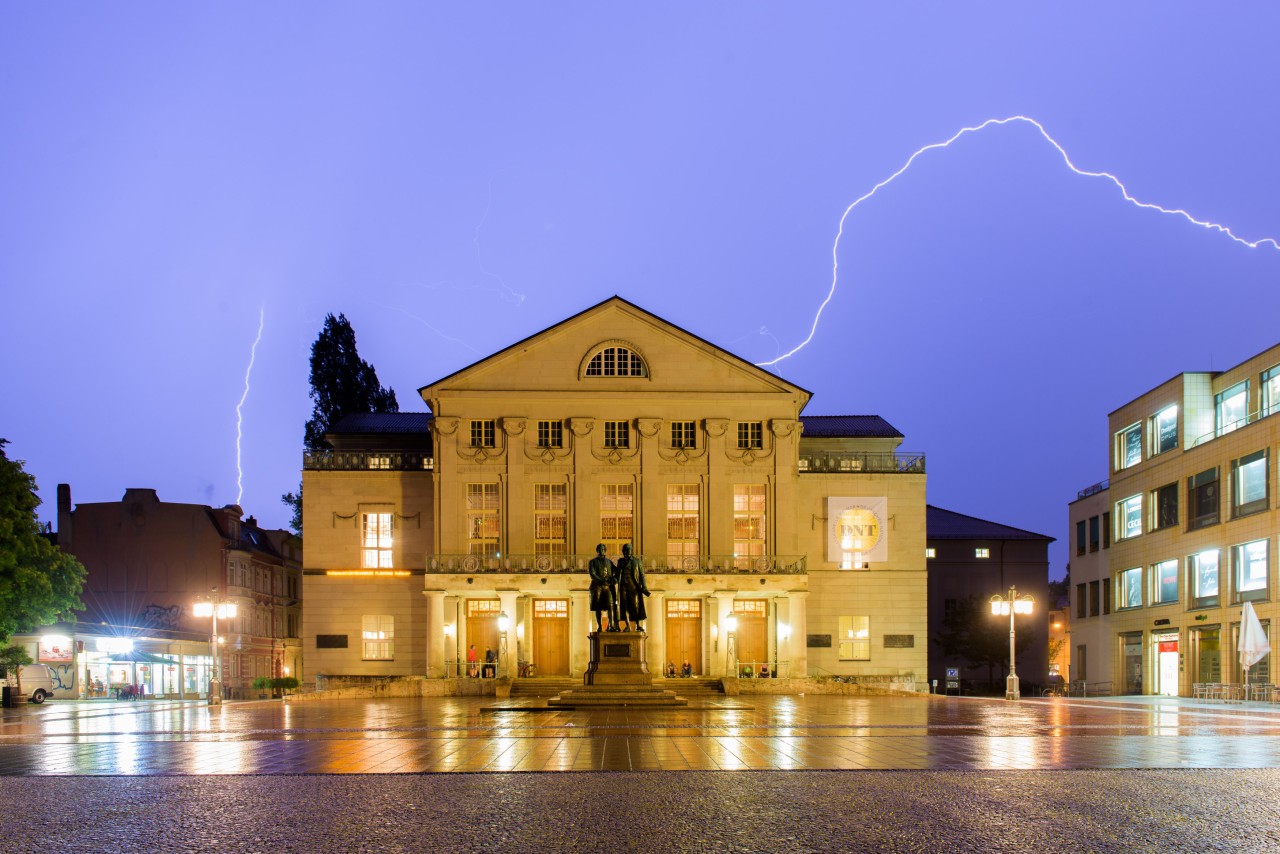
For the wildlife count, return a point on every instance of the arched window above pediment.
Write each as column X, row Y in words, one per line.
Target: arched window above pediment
column 614, row 359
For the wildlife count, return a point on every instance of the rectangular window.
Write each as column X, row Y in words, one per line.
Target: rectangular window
column 1106, row 599
column 617, row 434
column 855, row 638
column 1164, row 430
column 617, row 508
column 1203, row 570
column 750, row 435
column 1082, row 604
column 1129, row 446
column 483, row 434
column 1251, row 570
column 1106, row 530
column 930, row 553
column 682, row 524
column 749, row 532
column 550, row 434
column 1231, row 408
column 1271, row 391
column 1131, row 588
column 1095, row 595
column 682, row 434
column 1164, row 582
column 1164, row 507
column 1080, row 538
column 1078, row 665
column 550, row 502
column 483, row 520
column 1093, row 533
column 375, row 540
column 1249, row 484
column 378, row 635
column 1129, row 517
column 982, row 554
column 379, row 462
column 1202, row 495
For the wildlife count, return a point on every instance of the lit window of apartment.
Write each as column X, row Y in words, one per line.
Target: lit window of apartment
column 749, row 532
column 1250, row 561
column 1129, row 446
column 375, row 541
column 1080, row 538
column 750, row 435
column 550, row 502
column 550, row 434
column 1249, row 484
column 855, row 638
column 378, row 636
column 1130, row 581
column 1202, row 496
column 982, row 554
column 483, row 434
column 616, row 362
column 682, row 435
column 483, row 519
column 1093, row 533
column 1164, row 507
column 379, row 461
column 1129, row 517
column 683, row 500
column 1270, row 391
column 1202, row 569
column 617, row 509
column 617, row 434
column 1231, row 407
column 1164, row 582
column 930, row 553
column 1163, row 430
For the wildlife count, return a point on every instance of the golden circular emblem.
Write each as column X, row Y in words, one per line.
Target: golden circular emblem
column 858, row 529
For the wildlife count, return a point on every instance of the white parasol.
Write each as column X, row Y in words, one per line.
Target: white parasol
column 1253, row 644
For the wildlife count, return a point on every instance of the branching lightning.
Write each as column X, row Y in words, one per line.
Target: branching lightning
column 253, row 354
column 835, row 248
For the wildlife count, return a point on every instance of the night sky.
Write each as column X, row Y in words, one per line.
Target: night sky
column 455, row 179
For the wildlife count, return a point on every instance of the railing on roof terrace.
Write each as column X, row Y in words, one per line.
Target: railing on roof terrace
column 1232, row 426
column 878, row 462
column 1093, row 490
column 367, row 461
column 570, row 564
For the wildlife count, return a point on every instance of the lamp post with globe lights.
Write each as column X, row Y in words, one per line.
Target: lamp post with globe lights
column 1012, row 604
column 215, row 607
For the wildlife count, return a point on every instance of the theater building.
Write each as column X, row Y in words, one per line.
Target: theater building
column 769, row 538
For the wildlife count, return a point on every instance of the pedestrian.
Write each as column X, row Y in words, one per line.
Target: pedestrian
column 473, row 662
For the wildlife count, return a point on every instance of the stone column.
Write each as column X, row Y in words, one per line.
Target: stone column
column 581, row 622
column 798, row 653
column 655, row 625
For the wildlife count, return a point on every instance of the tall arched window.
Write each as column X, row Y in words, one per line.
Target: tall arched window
column 617, row 362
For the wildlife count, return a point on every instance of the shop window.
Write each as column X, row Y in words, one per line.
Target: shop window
column 1230, row 408
column 1130, row 581
column 1164, row 582
column 1129, row 517
column 375, row 540
column 1164, row 507
column 1250, row 570
column 1249, row 484
column 378, row 636
column 1203, row 570
column 1129, row 446
column 1164, row 430
column 1202, row 496
column 855, row 638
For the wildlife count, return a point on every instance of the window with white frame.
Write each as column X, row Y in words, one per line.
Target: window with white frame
column 1130, row 584
column 1164, row 430
column 1251, row 570
column 1202, row 568
column 1164, row 507
column 750, row 435
column 483, row 433
column 379, row 461
column 1129, row 517
column 483, row 519
column 1271, row 391
column 617, row 434
column 1231, row 408
column 375, row 540
column 1164, row 582
column 749, row 532
column 1249, row 484
column 683, row 434
column 982, row 554
column 683, row 501
column 550, row 434
column 855, row 638
column 1129, row 446
column 617, row 515
column 617, row 362
column 550, row 503
column 378, row 637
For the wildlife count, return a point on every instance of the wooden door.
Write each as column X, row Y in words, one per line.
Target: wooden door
column 482, row 628
column 751, row 646
column 684, row 634
column 551, row 637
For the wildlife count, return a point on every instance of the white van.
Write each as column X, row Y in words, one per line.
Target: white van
column 37, row 682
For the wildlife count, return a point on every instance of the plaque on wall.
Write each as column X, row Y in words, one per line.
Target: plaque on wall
column 899, row 641
column 818, row 641
column 331, row 641
column 617, row 650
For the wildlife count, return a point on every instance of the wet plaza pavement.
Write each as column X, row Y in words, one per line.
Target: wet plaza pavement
column 936, row 774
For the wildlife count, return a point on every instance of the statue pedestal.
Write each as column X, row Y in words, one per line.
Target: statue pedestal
column 617, row 658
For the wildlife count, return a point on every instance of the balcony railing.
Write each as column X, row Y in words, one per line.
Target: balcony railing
column 367, row 461
column 1093, row 490
column 1232, row 426
column 572, row 564
column 852, row 462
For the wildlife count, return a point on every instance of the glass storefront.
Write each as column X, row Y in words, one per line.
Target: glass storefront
column 140, row 675
column 1131, row 651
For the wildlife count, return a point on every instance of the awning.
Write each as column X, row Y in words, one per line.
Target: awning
column 140, row 658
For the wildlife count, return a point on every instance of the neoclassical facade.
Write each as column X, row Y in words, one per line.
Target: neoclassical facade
column 769, row 539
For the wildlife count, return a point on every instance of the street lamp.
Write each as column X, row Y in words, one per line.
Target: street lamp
column 450, row 630
column 1012, row 604
column 215, row 607
column 730, row 626
column 504, row 622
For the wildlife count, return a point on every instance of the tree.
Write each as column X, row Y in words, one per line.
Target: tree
column 39, row 583
column 12, row 659
column 971, row 632
column 341, row 384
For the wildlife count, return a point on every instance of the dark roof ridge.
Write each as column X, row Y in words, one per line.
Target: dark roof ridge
column 994, row 528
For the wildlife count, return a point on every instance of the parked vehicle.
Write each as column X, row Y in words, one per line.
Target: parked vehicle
column 37, row 682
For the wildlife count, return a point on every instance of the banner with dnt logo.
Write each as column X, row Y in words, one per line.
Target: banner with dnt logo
column 857, row 533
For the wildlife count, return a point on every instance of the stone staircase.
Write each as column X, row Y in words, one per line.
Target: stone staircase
column 551, row 686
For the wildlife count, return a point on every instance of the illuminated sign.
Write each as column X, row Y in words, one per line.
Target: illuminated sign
column 55, row 648
column 856, row 532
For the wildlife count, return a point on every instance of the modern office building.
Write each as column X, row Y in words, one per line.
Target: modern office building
column 769, row 538
column 1089, row 526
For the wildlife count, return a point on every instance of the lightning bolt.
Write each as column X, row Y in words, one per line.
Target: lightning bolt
column 1128, row 197
column 253, row 354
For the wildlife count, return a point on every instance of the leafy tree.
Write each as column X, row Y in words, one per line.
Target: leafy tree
column 39, row 583
column 971, row 632
column 341, row 384
column 12, row 659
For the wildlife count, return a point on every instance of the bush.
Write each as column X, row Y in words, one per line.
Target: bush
column 285, row 683
column 262, row 683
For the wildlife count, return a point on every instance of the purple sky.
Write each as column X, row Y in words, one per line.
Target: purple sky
column 454, row 180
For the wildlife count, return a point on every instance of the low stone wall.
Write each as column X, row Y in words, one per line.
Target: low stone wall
column 387, row 687
column 865, row 686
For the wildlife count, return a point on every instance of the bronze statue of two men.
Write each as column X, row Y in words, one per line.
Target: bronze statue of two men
column 618, row 590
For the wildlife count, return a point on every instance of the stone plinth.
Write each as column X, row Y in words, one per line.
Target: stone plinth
column 617, row 658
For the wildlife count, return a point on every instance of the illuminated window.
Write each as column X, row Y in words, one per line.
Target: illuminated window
column 749, row 533
column 750, row 435
column 483, row 519
column 1249, row 484
column 617, row 362
column 1250, row 570
column 375, row 541
column 1129, row 517
column 855, row 638
column 1164, row 582
column 1271, row 391
column 1164, row 507
column 550, row 434
column 930, row 553
column 1130, row 581
column 549, row 504
column 1129, row 446
column 617, row 510
column 1202, row 496
column 483, row 434
column 982, row 553
column 617, row 434
column 379, row 462
column 1231, row 408
column 378, row 635
column 682, row 435
column 1164, row 430
column 1203, row 570
column 682, row 522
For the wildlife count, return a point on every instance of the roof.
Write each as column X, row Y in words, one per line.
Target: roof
column 848, row 426
column 383, row 422
column 948, row 525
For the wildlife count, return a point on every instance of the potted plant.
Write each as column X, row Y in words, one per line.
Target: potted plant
column 285, row 684
column 262, row 683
